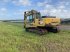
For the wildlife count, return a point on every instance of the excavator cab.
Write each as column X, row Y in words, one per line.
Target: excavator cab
column 31, row 18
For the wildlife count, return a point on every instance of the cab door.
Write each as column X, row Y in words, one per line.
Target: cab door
column 30, row 21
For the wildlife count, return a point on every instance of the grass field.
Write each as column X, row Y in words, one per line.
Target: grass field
column 13, row 38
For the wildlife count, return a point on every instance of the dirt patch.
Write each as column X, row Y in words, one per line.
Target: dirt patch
column 65, row 27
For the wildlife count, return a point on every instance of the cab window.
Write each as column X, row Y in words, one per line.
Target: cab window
column 30, row 18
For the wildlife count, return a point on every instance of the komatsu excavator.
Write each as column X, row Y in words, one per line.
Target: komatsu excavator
column 34, row 22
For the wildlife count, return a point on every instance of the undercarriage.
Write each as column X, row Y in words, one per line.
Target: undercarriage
column 42, row 30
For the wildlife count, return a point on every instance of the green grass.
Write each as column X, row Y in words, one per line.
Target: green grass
column 13, row 38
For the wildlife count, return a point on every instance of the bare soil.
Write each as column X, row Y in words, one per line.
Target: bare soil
column 65, row 27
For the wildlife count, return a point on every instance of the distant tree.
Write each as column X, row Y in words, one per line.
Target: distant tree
column 5, row 21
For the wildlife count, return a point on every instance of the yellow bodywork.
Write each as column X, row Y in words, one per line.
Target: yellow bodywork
column 52, row 21
column 34, row 22
column 39, row 20
column 45, row 21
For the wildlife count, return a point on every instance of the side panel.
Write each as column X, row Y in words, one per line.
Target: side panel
column 52, row 21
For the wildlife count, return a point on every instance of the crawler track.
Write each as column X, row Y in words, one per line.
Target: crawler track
column 43, row 30
column 37, row 30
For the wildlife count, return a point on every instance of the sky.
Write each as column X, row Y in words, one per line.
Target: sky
column 14, row 9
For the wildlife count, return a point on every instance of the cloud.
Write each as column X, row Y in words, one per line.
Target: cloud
column 3, row 9
column 61, row 6
column 43, row 3
column 19, row 12
column 65, row 2
column 40, row 4
column 22, row 2
column 3, row 12
column 59, row 10
column 16, row 2
column 4, row 1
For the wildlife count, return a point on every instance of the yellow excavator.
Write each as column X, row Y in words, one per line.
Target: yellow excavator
column 34, row 22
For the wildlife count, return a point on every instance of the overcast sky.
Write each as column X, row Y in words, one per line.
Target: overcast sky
column 14, row 9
